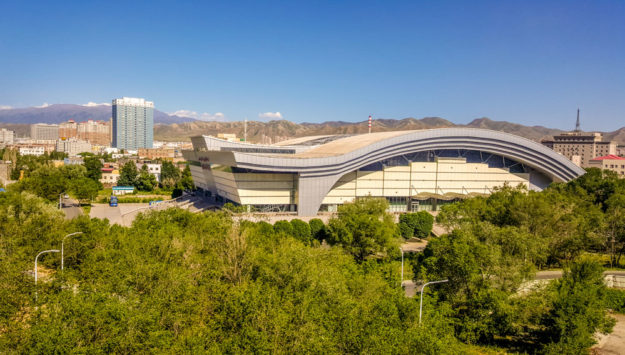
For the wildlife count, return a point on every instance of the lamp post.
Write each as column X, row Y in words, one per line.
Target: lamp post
column 421, row 302
column 60, row 200
column 401, row 284
column 62, row 247
column 37, row 257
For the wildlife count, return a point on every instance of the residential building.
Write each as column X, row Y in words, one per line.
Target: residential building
column 109, row 177
column 6, row 136
column 609, row 162
column 73, row 146
column 36, row 150
column 133, row 123
column 413, row 170
column 153, row 168
column 94, row 132
column 44, row 131
column 163, row 152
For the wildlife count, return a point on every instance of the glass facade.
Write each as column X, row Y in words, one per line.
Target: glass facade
column 133, row 123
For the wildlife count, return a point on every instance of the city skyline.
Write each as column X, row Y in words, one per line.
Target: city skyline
column 530, row 63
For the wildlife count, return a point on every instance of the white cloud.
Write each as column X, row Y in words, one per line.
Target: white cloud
column 92, row 104
column 5, row 107
column 205, row 116
column 45, row 104
column 271, row 115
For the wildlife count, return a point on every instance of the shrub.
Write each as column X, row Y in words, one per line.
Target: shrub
column 301, row 230
column 416, row 224
column 318, row 229
column 283, row 227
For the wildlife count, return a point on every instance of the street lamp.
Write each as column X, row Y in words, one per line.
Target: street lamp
column 62, row 246
column 401, row 284
column 36, row 257
column 421, row 302
column 61, row 200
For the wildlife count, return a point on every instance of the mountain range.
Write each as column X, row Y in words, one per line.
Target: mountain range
column 176, row 128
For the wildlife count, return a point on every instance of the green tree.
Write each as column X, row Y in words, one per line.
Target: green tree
column 146, row 181
column 85, row 189
column 416, row 224
column 94, row 166
column 301, row 230
column 318, row 229
column 187, row 180
column 170, row 174
column 128, row 174
column 364, row 228
column 578, row 310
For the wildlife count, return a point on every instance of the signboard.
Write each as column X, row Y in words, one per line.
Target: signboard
column 123, row 190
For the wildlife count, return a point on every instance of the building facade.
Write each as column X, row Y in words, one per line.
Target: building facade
column 609, row 162
column 6, row 136
column 44, row 131
column 581, row 147
column 133, row 123
column 94, row 132
column 73, row 147
column 413, row 170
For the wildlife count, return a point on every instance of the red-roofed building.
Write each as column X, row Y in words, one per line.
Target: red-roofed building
column 609, row 162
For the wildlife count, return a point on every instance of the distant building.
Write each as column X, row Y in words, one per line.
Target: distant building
column 153, row 168
column 73, row 147
column 580, row 147
column 6, row 136
column 133, row 123
column 230, row 137
column 36, row 150
column 73, row 161
column 609, row 162
column 165, row 153
column 109, row 177
column 5, row 172
column 44, row 131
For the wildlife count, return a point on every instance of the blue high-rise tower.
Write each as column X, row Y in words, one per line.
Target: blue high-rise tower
column 133, row 123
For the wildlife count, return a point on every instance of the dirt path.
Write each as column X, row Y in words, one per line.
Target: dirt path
column 613, row 343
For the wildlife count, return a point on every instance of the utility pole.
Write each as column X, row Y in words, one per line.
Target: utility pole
column 245, row 130
column 369, row 124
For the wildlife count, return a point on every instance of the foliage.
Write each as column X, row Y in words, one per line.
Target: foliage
column 301, row 231
column 186, row 180
column 417, row 224
column 181, row 282
column 318, row 229
column 283, row 228
column 94, row 166
column 170, row 175
column 615, row 300
column 578, row 309
column 364, row 228
column 128, row 174
column 234, row 208
column 146, row 181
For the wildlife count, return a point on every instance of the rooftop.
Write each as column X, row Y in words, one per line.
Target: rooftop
column 609, row 157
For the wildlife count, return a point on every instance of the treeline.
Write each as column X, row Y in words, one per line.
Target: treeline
column 181, row 282
column 171, row 178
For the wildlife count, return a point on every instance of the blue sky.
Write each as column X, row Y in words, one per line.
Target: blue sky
column 531, row 62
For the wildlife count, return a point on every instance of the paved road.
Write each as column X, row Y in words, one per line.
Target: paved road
column 71, row 208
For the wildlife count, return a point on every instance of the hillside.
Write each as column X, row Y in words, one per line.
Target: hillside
column 62, row 112
column 275, row 131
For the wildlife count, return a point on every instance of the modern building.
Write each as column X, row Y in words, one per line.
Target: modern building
column 413, row 170
column 44, row 131
column 609, row 162
column 73, row 146
column 133, row 123
column 6, row 136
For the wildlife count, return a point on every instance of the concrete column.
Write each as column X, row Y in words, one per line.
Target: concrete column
column 312, row 191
